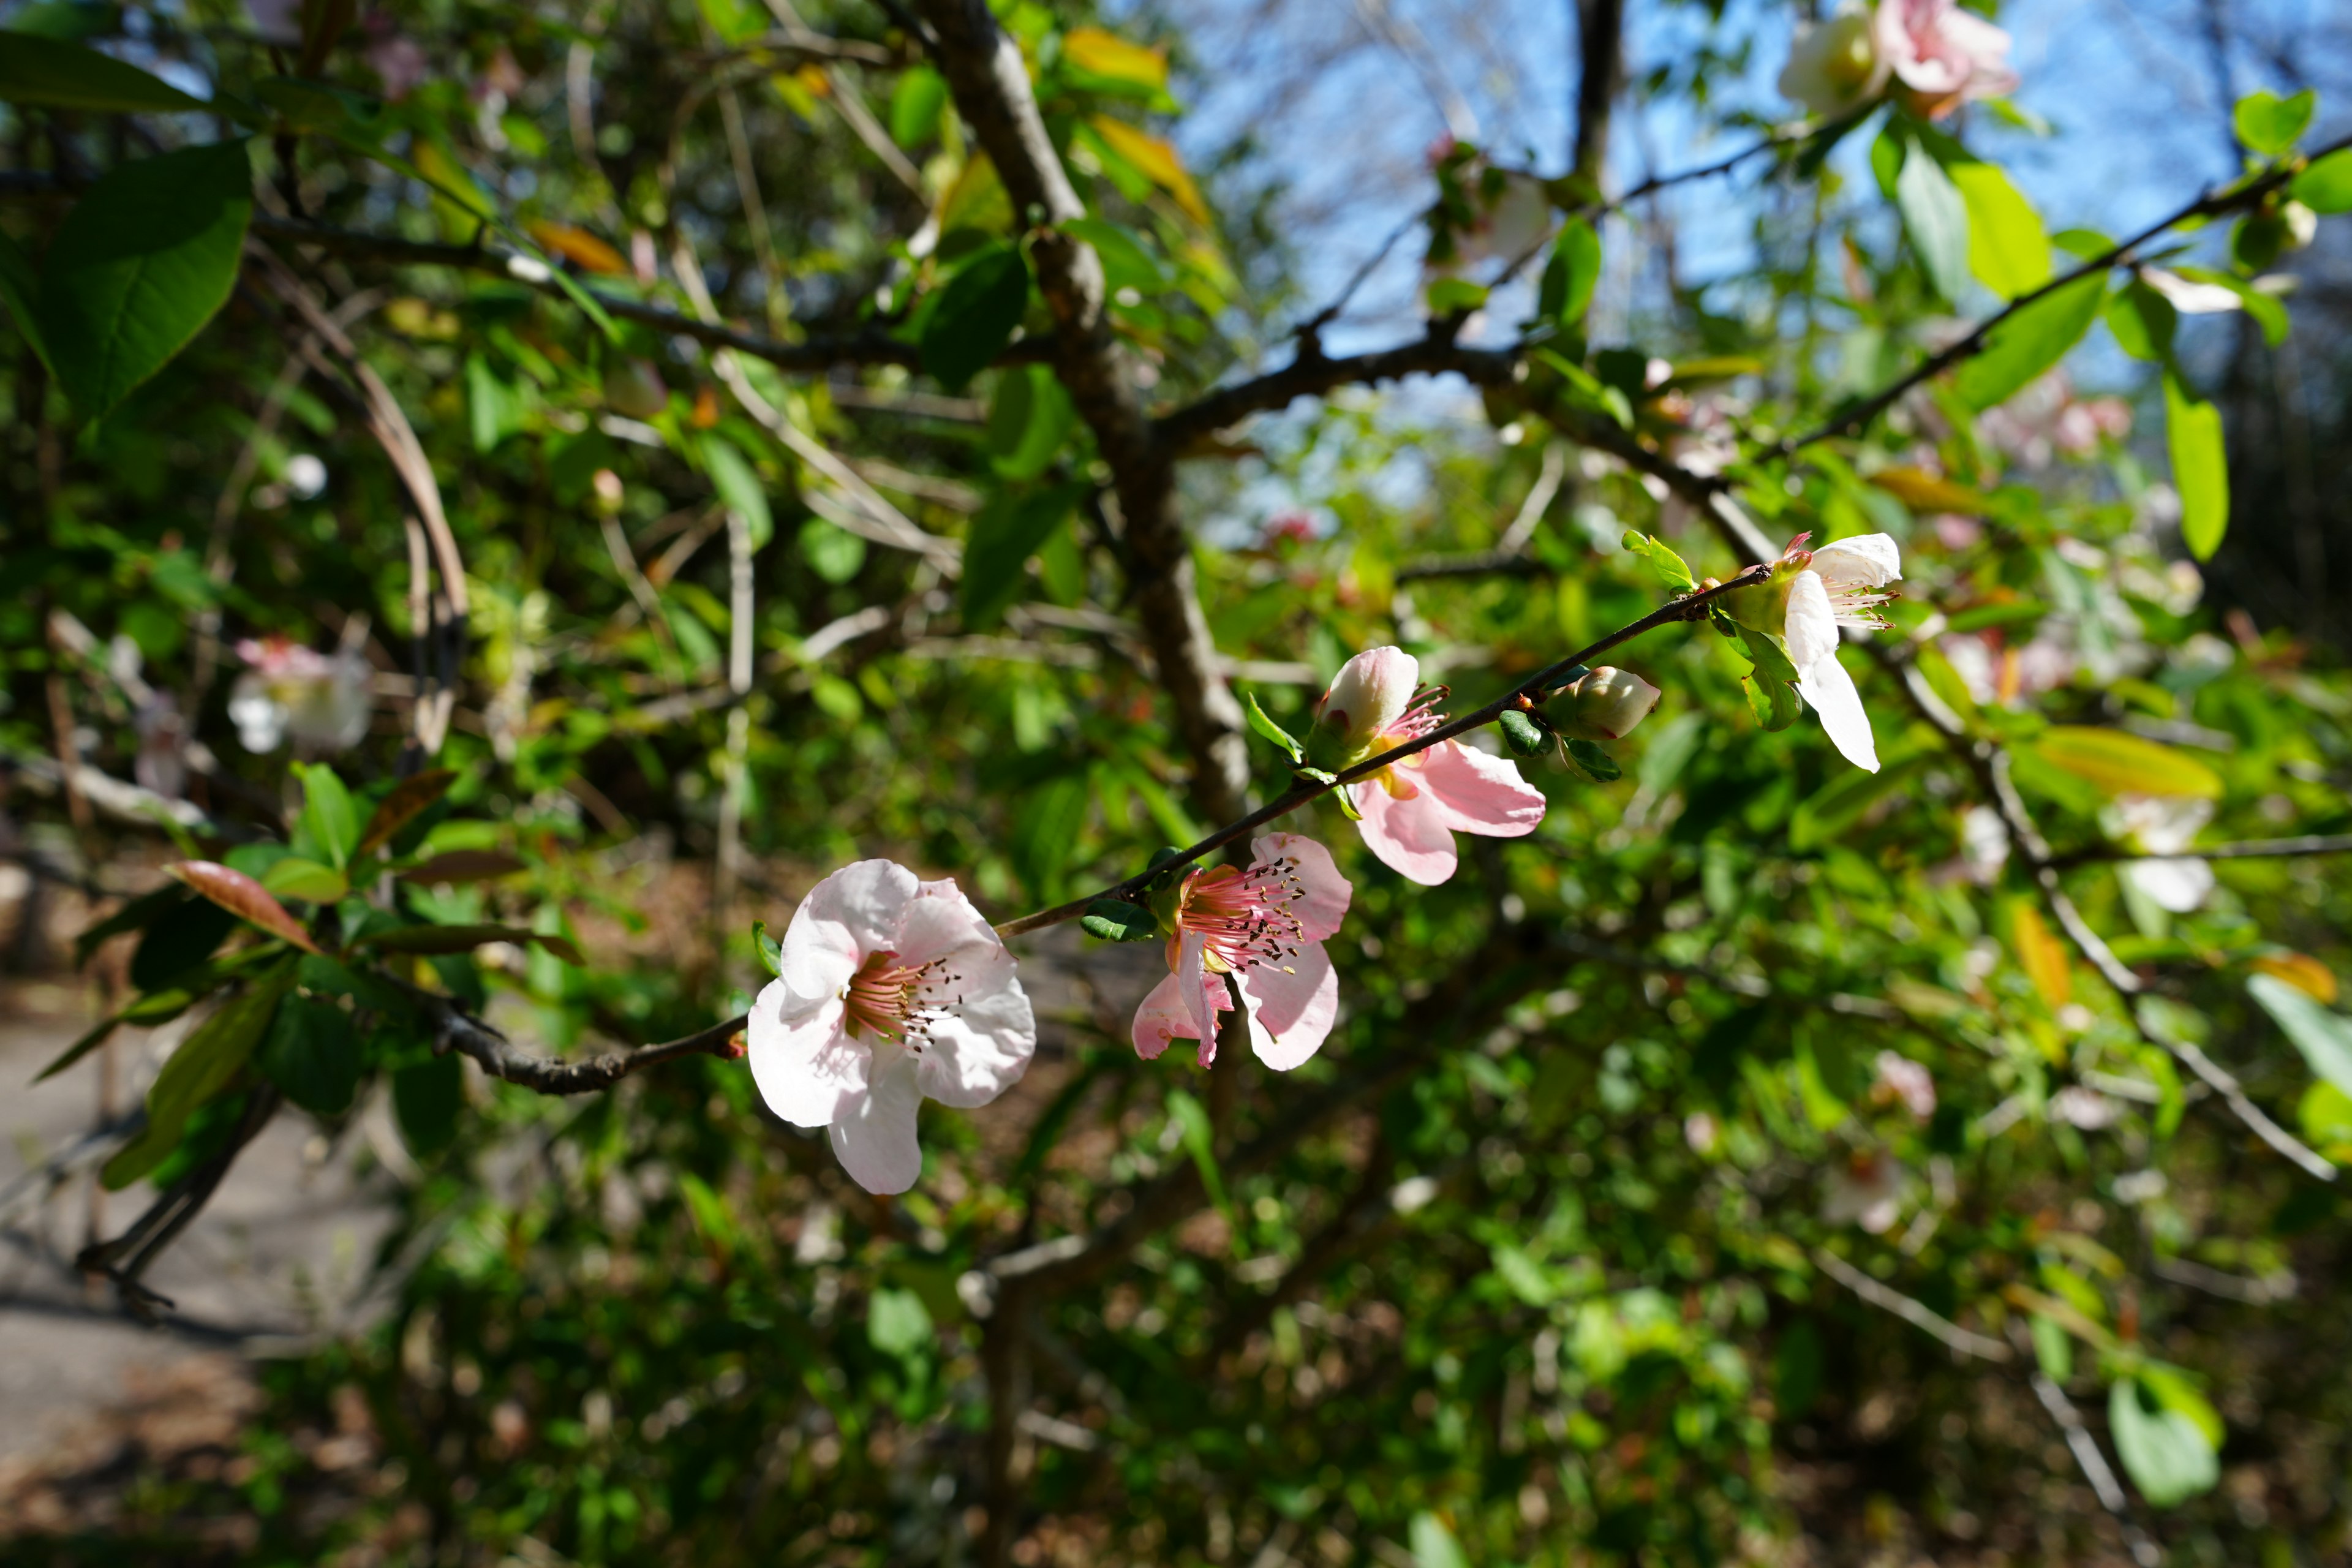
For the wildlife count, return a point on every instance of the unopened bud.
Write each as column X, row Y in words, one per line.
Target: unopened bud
column 634, row 387
column 608, row 489
column 1605, row 704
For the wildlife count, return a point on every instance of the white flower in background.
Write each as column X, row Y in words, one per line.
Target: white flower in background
column 2189, row 297
column 1943, row 57
column 1899, row 1079
column 890, row 991
column 1810, row 594
column 1984, row 844
column 1868, row 1191
column 306, row 475
column 1835, row 66
column 2086, row 1108
column 320, row 700
column 2162, row 826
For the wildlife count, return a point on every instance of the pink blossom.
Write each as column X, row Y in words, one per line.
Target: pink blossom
column 1410, row 811
column 889, row 991
column 1265, row 925
column 1943, row 56
column 320, row 700
column 1899, row 1079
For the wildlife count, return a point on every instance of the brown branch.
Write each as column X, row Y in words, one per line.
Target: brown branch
column 1689, row 608
column 455, row 1029
column 1313, row 375
column 990, row 80
column 1478, row 564
column 2244, row 849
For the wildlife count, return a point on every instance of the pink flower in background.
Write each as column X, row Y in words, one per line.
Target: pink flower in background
column 1266, row 926
column 1866, row 1190
column 1943, row 57
column 1411, row 810
column 396, row 59
column 320, row 700
column 890, row 991
column 1899, row 1079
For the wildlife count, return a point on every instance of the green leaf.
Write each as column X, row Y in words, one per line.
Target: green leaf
column 1566, row 292
column 1267, row 729
column 139, row 264
column 1029, row 422
column 496, row 407
column 1772, row 685
column 1046, row 831
column 49, row 74
column 312, row 1053
column 425, row 1099
column 2166, row 1453
column 772, row 951
column 329, row 818
column 2030, row 342
column 1115, row 919
column 1126, row 263
column 2327, row 185
column 2321, row 1034
column 898, row 1324
column 294, row 878
column 2143, row 321
column 1937, row 220
column 1192, row 1119
column 2267, row 310
column 1598, row 764
column 203, row 1064
column 1527, row 734
column 2052, row 1348
column 1004, row 534
column 739, row 487
column 2121, row 763
column 1669, row 566
column 20, row 291
column 832, row 552
column 2201, row 467
column 915, row 106
column 137, row 915
column 1454, row 296
column 177, row 941
column 2009, row 250
column 2270, row 125
column 977, row 314
column 1434, row 1545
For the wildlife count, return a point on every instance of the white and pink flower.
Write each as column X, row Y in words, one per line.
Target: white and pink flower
column 1815, row 591
column 1943, row 57
column 1264, row 925
column 320, row 700
column 1835, row 66
column 890, row 991
column 1866, row 1190
column 1411, row 810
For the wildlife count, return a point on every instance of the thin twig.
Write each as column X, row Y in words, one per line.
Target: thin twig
column 1912, row 1312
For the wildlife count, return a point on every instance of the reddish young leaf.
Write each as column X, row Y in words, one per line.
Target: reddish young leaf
column 243, row 897
column 396, row 810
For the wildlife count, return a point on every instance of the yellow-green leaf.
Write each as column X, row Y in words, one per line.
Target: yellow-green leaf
column 2122, row 763
column 1106, row 54
column 2201, row 467
column 2009, row 250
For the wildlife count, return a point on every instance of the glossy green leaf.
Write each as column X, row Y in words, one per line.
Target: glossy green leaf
column 1030, row 422
column 1771, row 682
column 202, row 1065
column 1565, row 292
column 139, row 264
column 2121, row 763
column 2143, row 321
column 977, row 314
column 294, row 878
column 1598, row 764
column 2009, row 250
column 330, row 818
column 915, row 105
column 1267, row 729
column 1668, row 566
column 48, row 73
column 2030, row 343
column 1115, row 919
column 772, row 951
column 2270, row 125
column 2200, row 467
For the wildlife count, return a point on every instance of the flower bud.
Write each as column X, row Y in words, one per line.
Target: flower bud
column 633, row 387
column 1604, row 704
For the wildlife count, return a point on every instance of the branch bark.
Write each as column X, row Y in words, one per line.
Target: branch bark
column 990, row 85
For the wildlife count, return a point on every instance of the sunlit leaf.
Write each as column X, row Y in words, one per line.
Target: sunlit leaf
column 2200, row 467
column 2030, row 343
column 2121, row 763
column 243, row 897
column 2009, row 250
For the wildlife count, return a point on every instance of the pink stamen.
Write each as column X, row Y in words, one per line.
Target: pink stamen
column 1420, row 717
column 886, row 999
column 1243, row 916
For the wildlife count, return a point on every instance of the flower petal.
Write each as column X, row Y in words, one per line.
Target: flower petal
column 873, row 1138
column 1291, row 1012
column 866, row 901
column 981, row 1045
column 1411, row 837
column 805, row 1063
column 1827, row 686
column 1868, row 561
column 2177, row 885
column 1371, row 692
column 1481, row 793
column 1323, row 902
column 1193, row 985
column 1811, row 630
column 1162, row 1017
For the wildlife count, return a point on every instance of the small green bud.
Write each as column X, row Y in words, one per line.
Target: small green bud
column 1527, row 734
column 1115, row 919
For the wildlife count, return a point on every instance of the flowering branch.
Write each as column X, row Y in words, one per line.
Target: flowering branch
column 1689, row 608
column 456, row 1029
